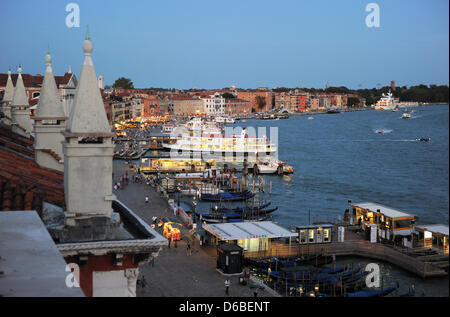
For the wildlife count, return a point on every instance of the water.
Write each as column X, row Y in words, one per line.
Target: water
column 341, row 157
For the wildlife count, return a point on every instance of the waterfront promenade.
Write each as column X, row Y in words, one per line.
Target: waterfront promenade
column 174, row 273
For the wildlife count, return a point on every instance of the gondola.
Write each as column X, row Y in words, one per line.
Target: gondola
column 375, row 293
column 236, row 215
column 239, row 209
column 227, row 196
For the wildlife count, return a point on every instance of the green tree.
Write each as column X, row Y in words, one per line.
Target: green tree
column 123, row 83
column 228, row 95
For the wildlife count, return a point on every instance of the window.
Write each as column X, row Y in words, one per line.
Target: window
column 90, row 140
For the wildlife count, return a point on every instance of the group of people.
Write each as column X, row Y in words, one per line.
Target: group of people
column 123, row 181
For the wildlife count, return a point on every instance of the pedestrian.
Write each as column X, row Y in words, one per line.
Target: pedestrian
column 146, row 199
column 188, row 248
column 169, row 238
column 143, row 283
column 175, row 243
column 255, row 292
column 227, row 286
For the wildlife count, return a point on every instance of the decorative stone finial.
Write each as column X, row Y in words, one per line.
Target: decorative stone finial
column 48, row 58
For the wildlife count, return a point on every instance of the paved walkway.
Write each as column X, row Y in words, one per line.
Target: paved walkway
column 174, row 273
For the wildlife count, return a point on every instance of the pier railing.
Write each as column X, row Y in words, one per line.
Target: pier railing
column 352, row 248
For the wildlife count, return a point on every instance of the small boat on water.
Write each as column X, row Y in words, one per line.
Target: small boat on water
column 406, row 115
column 310, row 118
column 334, row 110
column 423, row 140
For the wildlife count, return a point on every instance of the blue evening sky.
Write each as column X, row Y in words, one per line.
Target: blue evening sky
column 249, row 44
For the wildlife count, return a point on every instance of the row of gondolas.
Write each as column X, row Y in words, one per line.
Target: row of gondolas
column 290, row 275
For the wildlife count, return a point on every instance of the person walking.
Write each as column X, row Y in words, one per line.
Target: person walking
column 227, row 286
column 146, row 199
column 143, row 283
column 188, row 248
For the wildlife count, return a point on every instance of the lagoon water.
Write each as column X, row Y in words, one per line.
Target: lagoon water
column 341, row 157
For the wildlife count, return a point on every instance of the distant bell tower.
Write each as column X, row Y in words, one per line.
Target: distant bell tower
column 392, row 85
column 101, row 82
column 49, row 121
column 20, row 108
column 88, row 153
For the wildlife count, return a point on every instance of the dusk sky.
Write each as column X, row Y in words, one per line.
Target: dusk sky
column 249, row 44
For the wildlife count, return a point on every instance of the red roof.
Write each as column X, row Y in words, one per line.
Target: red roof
column 34, row 81
column 24, row 185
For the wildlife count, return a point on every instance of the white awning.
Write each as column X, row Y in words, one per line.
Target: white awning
column 248, row 230
column 387, row 211
column 443, row 229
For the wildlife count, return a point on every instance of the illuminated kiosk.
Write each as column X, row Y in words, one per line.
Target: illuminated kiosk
column 392, row 224
column 251, row 236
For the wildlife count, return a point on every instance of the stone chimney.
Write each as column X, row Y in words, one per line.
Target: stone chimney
column 20, row 109
column 49, row 122
column 88, row 154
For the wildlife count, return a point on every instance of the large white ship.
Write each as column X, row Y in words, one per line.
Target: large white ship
column 205, row 141
column 386, row 102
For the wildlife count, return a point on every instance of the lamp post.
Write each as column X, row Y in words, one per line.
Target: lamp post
column 194, row 203
column 178, row 192
column 300, row 290
column 316, row 289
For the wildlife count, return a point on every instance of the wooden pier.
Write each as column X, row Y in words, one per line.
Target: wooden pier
column 378, row 251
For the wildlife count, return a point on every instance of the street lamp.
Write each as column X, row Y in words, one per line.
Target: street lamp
column 316, row 289
column 194, row 203
column 300, row 290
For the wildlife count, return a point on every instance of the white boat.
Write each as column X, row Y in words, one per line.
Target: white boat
column 225, row 148
column 405, row 104
column 386, row 102
column 310, row 118
column 224, row 120
column 167, row 128
column 406, row 115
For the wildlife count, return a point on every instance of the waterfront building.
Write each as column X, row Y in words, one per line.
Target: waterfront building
column 20, row 108
column 254, row 95
column 165, row 105
column 282, row 100
column 314, row 103
column 252, row 236
column 7, row 97
column 214, row 104
column 49, row 122
column 185, row 105
column 150, row 106
column 237, row 106
column 313, row 234
column 390, row 224
column 433, row 236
